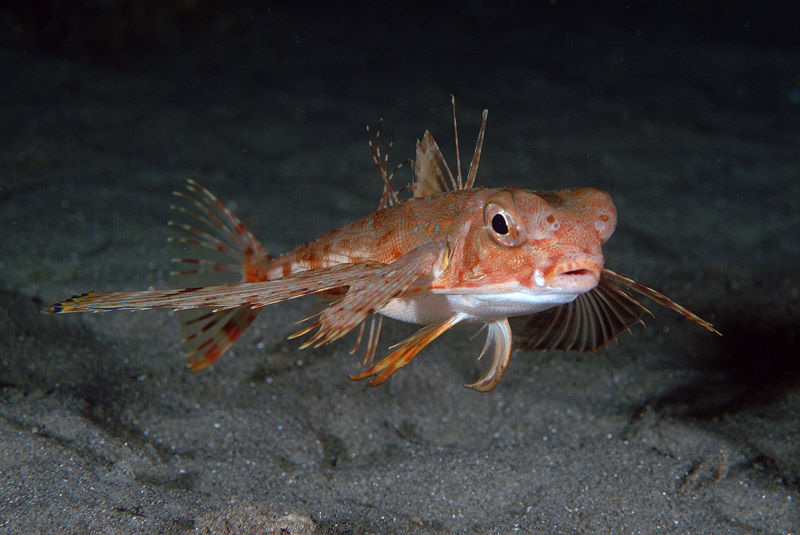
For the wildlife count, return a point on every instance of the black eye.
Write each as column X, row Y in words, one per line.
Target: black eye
column 499, row 224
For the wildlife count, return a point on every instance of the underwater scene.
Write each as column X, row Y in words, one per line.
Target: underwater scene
column 636, row 160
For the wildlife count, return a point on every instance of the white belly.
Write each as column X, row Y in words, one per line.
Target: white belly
column 479, row 308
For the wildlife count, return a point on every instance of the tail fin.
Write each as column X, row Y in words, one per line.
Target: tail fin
column 217, row 230
column 208, row 335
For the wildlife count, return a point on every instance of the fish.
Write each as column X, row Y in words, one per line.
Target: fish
column 448, row 253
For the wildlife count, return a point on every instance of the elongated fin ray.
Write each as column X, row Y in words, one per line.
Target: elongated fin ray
column 593, row 319
column 429, row 177
column 476, row 157
column 252, row 294
column 389, row 196
column 659, row 298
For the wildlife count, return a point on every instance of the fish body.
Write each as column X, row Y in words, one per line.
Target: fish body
column 476, row 273
column 450, row 254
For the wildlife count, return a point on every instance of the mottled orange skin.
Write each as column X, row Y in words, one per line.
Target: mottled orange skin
column 559, row 230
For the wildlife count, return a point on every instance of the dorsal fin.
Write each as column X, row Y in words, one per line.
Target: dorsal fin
column 389, row 196
column 428, row 176
column 476, row 156
column 430, row 166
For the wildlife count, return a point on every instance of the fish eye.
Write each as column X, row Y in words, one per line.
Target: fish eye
column 501, row 221
column 499, row 224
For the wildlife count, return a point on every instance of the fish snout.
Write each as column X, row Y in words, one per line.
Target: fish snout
column 574, row 275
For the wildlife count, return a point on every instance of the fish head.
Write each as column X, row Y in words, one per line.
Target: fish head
column 545, row 241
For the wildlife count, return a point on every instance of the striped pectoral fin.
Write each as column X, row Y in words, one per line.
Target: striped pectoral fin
column 593, row 319
column 252, row 294
column 133, row 301
column 407, row 350
column 219, row 297
column 371, row 292
column 586, row 324
column 208, row 334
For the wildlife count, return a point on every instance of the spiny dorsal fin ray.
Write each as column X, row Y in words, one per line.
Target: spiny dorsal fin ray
column 476, row 156
column 428, row 176
column 389, row 196
column 430, row 165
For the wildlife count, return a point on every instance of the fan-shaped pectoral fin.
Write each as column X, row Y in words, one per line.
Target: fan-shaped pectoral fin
column 498, row 341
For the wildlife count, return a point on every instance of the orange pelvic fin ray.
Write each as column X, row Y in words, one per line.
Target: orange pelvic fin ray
column 408, row 349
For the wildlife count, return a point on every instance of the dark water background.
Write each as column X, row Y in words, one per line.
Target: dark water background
column 688, row 115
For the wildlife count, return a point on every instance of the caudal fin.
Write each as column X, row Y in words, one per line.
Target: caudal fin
column 207, row 335
column 213, row 227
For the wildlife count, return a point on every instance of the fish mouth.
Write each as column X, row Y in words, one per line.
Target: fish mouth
column 577, row 276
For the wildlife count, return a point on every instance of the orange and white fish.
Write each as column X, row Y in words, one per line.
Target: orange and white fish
column 451, row 254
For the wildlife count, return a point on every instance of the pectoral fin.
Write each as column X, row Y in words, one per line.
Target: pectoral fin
column 659, row 298
column 252, row 294
column 369, row 294
column 593, row 319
